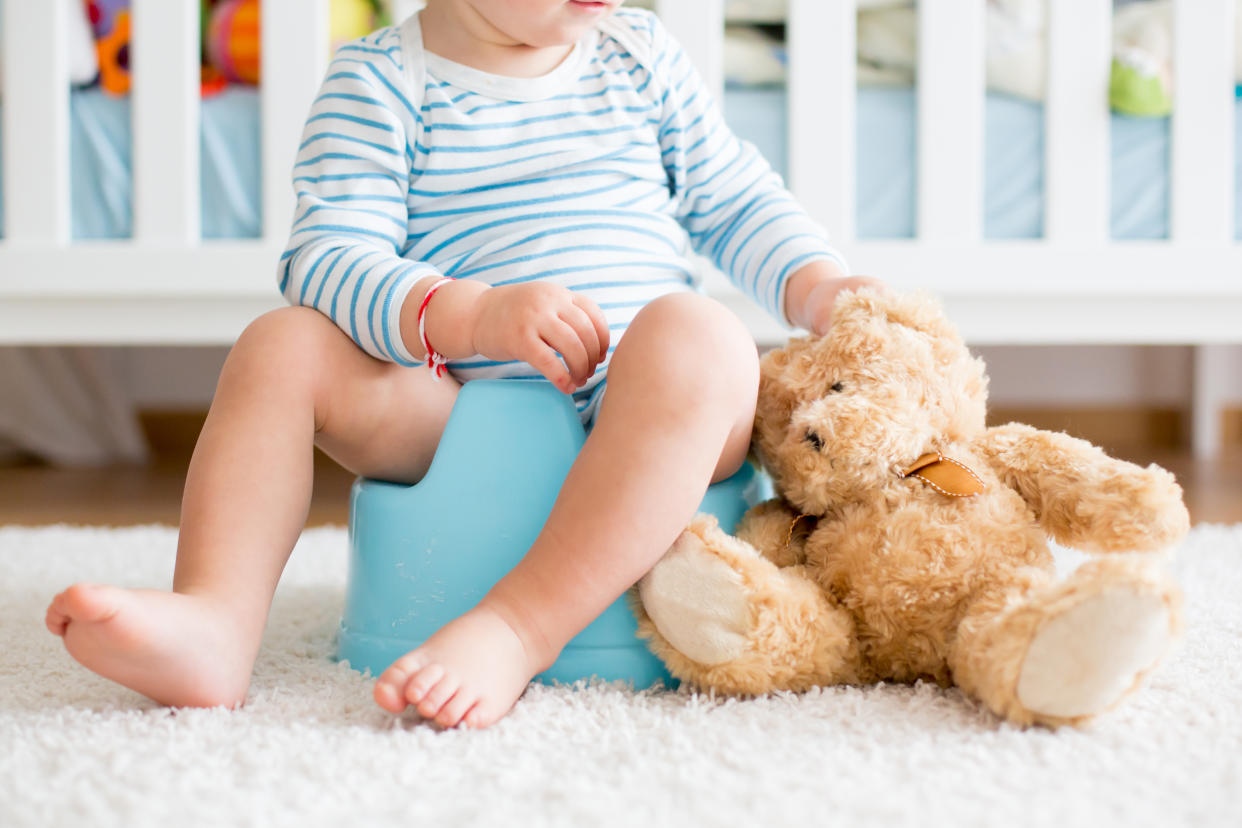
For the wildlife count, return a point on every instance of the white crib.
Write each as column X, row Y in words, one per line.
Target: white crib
column 168, row 286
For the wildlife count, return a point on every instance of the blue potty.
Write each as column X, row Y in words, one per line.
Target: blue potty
column 422, row 555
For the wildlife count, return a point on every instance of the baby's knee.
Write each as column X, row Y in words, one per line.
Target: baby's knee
column 290, row 327
column 283, row 345
column 696, row 345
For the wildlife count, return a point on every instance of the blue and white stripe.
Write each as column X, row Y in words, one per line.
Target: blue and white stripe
column 602, row 176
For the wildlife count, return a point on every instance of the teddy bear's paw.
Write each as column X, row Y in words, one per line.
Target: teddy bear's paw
column 1091, row 655
column 697, row 601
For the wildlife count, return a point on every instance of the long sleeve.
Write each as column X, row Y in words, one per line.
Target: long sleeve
column 344, row 255
column 735, row 208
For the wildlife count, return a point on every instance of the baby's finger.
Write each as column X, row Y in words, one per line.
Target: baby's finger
column 544, row 360
column 598, row 320
column 564, row 339
column 577, row 319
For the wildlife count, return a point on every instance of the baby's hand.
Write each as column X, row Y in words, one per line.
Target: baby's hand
column 822, row 299
column 534, row 322
column 813, row 290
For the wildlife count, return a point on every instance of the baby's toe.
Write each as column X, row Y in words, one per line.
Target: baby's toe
column 455, row 710
column 479, row 716
column 421, row 682
column 388, row 697
column 55, row 620
column 435, row 698
column 87, row 602
column 390, row 688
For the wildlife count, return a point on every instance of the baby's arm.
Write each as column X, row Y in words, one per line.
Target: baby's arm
column 735, row 207
column 351, row 177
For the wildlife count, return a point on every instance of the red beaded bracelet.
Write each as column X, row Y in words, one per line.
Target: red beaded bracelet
column 435, row 360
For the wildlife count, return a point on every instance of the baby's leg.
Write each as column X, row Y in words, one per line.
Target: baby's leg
column 291, row 381
column 677, row 415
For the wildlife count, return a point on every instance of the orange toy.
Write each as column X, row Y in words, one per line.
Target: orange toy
column 234, row 40
column 113, row 52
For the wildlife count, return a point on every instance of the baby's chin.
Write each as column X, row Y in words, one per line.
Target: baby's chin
column 556, row 34
column 567, row 24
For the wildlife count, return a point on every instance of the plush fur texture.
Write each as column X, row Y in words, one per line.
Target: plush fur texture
column 858, row 574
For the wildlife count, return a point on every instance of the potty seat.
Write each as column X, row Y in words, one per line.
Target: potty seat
column 421, row 555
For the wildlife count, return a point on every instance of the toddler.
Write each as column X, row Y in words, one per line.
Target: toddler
column 514, row 188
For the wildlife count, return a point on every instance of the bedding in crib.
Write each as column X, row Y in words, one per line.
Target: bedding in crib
column 101, row 182
column 1013, row 199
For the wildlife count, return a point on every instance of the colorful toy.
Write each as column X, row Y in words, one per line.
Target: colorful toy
column 234, row 40
column 110, row 24
column 908, row 540
column 351, row 19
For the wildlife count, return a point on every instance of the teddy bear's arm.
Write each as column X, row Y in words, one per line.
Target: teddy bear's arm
column 1083, row 497
column 773, row 527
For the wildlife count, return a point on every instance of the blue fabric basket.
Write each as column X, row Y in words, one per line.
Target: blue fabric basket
column 422, row 554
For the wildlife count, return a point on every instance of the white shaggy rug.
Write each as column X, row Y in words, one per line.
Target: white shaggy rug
column 310, row 748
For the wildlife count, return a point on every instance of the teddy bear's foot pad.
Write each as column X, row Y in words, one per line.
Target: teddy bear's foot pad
column 697, row 602
column 1091, row 655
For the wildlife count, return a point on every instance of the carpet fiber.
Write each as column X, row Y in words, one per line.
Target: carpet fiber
column 310, row 747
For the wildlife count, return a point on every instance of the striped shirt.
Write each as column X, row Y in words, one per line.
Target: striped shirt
column 602, row 176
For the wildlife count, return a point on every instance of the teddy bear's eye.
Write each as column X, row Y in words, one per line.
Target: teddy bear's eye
column 836, row 387
column 815, row 440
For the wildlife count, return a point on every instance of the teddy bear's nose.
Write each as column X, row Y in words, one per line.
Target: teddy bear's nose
column 813, row 439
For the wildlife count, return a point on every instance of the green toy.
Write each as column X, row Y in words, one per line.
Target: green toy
column 1135, row 88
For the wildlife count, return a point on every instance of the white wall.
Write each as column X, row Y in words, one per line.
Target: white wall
column 1102, row 375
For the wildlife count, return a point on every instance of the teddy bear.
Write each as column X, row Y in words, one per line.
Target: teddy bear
column 908, row 541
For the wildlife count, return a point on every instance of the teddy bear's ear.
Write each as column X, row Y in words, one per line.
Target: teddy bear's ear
column 917, row 310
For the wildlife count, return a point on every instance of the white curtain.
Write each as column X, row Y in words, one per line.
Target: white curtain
column 68, row 406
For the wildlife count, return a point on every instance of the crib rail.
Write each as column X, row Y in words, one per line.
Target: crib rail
column 165, row 122
column 1203, row 142
column 295, row 51
column 1076, row 259
column 1077, row 123
column 821, row 148
column 36, row 122
column 166, row 283
column 950, row 121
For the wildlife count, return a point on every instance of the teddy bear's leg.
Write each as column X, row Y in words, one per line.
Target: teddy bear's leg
column 1070, row 650
column 720, row 615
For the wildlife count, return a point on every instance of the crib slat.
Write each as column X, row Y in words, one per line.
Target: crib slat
column 950, row 119
column 1076, row 141
column 295, row 54
column 822, row 95
column 1201, row 199
column 36, row 120
column 166, row 120
column 699, row 28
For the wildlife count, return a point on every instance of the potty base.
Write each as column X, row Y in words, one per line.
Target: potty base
column 423, row 554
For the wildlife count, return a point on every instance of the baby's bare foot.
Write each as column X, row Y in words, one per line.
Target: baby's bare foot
column 180, row 650
column 471, row 671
